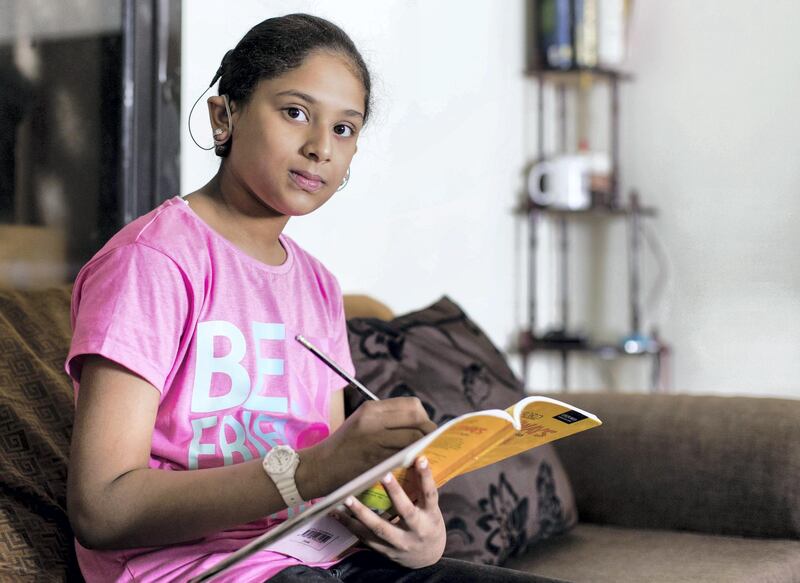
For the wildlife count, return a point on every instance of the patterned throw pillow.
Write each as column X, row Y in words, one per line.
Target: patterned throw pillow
column 440, row 356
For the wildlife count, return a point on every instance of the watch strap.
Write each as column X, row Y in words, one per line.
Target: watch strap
column 288, row 490
column 284, row 482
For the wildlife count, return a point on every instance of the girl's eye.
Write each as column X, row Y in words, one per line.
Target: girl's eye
column 296, row 113
column 343, row 130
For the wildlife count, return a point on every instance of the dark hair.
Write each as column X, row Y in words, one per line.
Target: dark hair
column 278, row 45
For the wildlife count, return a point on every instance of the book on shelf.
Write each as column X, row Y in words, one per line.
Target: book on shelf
column 585, row 33
column 579, row 35
column 613, row 22
column 554, row 30
column 466, row 443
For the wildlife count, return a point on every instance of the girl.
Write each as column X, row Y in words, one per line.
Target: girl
column 183, row 354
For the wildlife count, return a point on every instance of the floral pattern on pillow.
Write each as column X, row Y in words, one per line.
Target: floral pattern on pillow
column 440, row 356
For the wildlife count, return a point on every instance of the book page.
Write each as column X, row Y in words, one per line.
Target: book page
column 541, row 420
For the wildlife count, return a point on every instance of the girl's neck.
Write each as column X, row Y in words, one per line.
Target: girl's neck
column 239, row 216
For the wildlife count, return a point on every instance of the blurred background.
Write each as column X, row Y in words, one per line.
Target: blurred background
column 670, row 265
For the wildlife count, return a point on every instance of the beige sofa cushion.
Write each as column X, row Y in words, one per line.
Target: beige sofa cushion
column 605, row 554
column 716, row 465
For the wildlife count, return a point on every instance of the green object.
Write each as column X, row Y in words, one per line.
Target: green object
column 375, row 498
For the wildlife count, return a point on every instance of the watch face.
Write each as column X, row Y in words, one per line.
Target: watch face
column 280, row 460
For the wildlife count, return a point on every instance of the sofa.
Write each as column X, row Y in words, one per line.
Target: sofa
column 671, row 488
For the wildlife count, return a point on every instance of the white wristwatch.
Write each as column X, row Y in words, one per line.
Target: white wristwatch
column 280, row 464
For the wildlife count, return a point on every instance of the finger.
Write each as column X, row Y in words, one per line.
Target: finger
column 406, row 412
column 353, row 525
column 402, row 403
column 428, row 427
column 402, row 503
column 380, row 528
column 429, row 493
column 364, row 534
column 399, row 438
column 407, row 418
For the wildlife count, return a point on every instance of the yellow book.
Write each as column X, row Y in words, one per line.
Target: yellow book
column 475, row 440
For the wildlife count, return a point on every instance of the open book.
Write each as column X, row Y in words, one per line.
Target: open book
column 461, row 445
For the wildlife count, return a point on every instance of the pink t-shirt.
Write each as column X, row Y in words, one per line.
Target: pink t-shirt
column 213, row 330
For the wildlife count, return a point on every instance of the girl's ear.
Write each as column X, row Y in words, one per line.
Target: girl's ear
column 220, row 117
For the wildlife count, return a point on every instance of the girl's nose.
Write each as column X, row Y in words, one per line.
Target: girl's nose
column 318, row 145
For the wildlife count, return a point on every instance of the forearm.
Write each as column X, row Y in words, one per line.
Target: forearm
column 150, row 507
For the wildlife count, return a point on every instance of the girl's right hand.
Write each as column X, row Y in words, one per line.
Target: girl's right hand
column 375, row 431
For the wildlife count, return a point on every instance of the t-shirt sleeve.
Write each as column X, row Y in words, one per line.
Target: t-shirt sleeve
column 340, row 343
column 130, row 306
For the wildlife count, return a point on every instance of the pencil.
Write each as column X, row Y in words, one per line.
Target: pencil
column 336, row 368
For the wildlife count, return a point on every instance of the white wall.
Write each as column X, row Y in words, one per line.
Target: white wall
column 710, row 135
column 427, row 209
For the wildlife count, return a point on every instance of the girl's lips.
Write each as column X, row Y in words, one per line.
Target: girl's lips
column 307, row 184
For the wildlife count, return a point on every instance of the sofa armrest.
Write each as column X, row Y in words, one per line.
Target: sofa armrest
column 719, row 465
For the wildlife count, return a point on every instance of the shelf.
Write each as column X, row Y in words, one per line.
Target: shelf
column 528, row 206
column 529, row 343
column 540, row 344
column 605, row 203
column 575, row 75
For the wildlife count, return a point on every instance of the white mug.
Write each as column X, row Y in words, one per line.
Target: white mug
column 567, row 183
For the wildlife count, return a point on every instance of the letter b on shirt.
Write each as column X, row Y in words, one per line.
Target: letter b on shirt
column 230, row 364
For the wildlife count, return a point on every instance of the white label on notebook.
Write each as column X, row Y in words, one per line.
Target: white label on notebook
column 318, row 541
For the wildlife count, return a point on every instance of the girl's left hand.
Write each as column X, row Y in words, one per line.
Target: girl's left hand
column 417, row 539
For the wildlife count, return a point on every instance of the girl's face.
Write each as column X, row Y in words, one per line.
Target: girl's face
column 294, row 139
